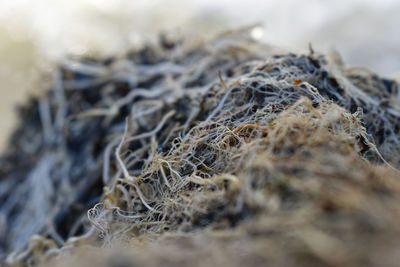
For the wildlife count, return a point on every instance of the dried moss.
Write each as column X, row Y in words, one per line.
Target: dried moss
column 251, row 155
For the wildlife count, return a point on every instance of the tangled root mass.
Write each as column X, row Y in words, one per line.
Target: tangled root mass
column 293, row 157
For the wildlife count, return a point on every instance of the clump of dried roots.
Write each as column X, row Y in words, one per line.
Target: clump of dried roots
column 227, row 142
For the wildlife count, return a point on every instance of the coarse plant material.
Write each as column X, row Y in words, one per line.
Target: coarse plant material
column 223, row 152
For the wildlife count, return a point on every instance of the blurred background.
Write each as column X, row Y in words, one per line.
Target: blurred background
column 34, row 35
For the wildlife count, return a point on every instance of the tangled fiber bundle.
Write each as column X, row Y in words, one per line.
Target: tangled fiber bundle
column 223, row 152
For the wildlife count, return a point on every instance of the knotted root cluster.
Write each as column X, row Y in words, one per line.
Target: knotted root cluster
column 246, row 154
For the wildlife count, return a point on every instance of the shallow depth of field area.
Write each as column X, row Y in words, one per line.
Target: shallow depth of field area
column 138, row 140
